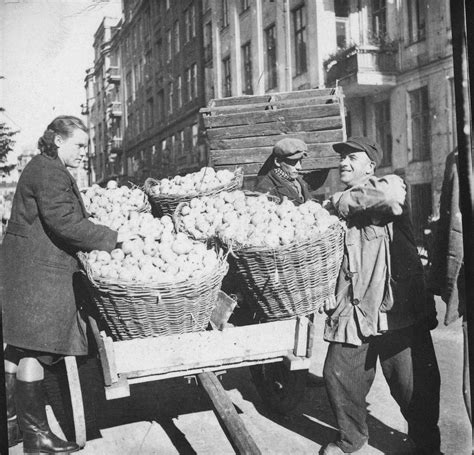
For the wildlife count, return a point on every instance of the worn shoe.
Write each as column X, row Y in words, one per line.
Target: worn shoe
column 14, row 433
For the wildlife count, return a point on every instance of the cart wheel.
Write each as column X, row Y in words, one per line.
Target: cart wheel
column 280, row 389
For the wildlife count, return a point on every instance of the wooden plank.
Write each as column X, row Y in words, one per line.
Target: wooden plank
column 269, row 141
column 268, row 104
column 119, row 389
column 252, row 169
column 293, row 113
column 301, row 336
column 294, row 363
column 76, row 400
column 309, row 350
column 244, row 99
column 228, row 417
column 260, row 154
column 210, row 365
column 277, row 127
column 204, row 348
column 110, row 356
column 104, row 361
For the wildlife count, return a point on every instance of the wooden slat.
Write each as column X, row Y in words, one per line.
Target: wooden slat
column 252, row 169
column 277, row 127
column 76, row 400
column 301, row 337
column 293, row 113
column 260, row 154
column 269, row 141
column 268, row 105
column 204, row 348
column 245, row 99
column 228, row 417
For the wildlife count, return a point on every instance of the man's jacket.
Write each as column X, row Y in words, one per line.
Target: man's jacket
column 380, row 286
column 279, row 186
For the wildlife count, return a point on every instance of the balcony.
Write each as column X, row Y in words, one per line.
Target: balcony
column 115, row 109
column 363, row 70
column 113, row 74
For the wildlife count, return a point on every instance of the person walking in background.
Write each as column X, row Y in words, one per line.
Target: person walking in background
column 280, row 174
column 381, row 310
column 42, row 317
column 446, row 276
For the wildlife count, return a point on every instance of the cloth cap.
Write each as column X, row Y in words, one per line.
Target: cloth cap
column 361, row 144
column 288, row 147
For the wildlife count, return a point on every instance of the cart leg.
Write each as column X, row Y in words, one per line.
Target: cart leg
column 224, row 408
column 76, row 400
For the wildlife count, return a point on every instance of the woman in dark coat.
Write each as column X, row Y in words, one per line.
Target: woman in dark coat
column 42, row 319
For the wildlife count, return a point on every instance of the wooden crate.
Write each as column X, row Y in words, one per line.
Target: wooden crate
column 241, row 131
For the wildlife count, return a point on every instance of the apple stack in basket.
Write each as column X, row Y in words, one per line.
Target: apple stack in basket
column 158, row 283
column 287, row 257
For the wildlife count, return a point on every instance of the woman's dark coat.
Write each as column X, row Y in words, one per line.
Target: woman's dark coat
column 48, row 226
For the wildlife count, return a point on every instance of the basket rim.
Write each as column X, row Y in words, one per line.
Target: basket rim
column 150, row 182
column 150, row 287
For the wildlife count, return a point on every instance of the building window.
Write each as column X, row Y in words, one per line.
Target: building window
column 227, row 77
column 170, row 98
column 188, row 84
column 195, row 132
column 225, row 14
column 150, row 120
column 181, row 143
column 383, row 131
column 180, row 92
column 192, row 9
column 247, row 63
column 271, row 69
column 420, row 124
column 129, row 86
column 299, row 24
column 167, row 2
column 187, row 25
column 194, row 79
column 177, row 43
column 191, row 82
column 169, row 48
column 416, row 20
column 244, row 5
column 451, row 100
column 379, row 18
column 421, row 201
column 161, row 105
column 341, row 10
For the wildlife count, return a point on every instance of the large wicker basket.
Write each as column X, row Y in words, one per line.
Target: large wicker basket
column 294, row 280
column 165, row 204
column 136, row 310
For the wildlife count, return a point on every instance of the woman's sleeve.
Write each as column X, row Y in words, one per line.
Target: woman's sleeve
column 61, row 213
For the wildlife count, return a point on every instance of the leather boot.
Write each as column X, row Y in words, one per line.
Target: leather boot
column 37, row 436
column 14, row 433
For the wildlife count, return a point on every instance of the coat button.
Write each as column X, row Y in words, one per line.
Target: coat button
column 355, row 302
column 349, row 275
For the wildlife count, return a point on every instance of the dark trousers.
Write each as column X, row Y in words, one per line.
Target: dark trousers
column 410, row 368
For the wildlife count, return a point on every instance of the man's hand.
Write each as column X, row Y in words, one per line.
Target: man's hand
column 398, row 192
column 328, row 305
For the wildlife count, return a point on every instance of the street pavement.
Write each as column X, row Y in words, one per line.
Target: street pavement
column 174, row 417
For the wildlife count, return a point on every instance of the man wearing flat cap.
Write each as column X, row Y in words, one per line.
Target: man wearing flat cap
column 280, row 174
column 381, row 309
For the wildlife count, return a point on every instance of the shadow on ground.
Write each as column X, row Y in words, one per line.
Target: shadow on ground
column 164, row 400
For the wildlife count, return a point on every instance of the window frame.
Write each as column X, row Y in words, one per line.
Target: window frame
column 420, row 120
column 271, row 57
column 299, row 37
column 246, row 52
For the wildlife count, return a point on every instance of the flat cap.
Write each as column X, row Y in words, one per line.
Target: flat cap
column 292, row 148
column 361, row 144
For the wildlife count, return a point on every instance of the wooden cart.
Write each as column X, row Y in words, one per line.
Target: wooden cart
column 241, row 131
column 199, row 355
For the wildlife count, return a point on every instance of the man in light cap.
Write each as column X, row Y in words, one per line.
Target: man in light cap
column 280, row 175
column 381, row 309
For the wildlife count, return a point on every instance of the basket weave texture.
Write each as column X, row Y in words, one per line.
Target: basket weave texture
column 294, row 280
column 165, row 204
column 139, row 310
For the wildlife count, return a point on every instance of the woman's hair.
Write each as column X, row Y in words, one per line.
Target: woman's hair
column 64, row 126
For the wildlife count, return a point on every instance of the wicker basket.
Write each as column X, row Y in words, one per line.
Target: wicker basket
column 294, row 280
column 166, row 204
column 137, row 310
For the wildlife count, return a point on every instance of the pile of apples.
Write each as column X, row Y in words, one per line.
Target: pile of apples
column 206, row 179
column 253, row 220
column 156, row 256
column 113, row 206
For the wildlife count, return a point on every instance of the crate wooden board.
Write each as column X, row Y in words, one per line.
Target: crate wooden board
column 241, row 131
column 157, row 355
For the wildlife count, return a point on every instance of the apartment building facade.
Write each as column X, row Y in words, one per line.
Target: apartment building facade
column 394, row 63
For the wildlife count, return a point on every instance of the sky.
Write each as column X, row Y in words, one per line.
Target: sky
column 45, row 49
